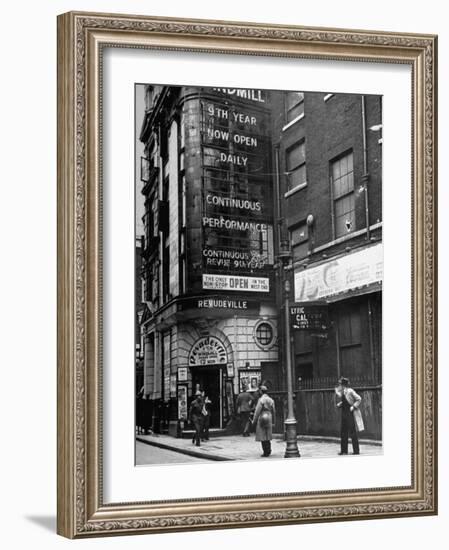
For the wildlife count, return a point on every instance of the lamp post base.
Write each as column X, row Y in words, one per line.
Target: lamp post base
column 291, row 449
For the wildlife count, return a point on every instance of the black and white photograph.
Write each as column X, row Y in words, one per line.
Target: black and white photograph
column 258, row 274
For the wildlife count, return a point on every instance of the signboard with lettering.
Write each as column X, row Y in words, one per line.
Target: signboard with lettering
column 237, row 217
column 240, row 284
column 182, row 402
column 218, row 302
column 236, row 260
column 342, row 274
column 309, row 317
column 182, row 374
column 208, row 351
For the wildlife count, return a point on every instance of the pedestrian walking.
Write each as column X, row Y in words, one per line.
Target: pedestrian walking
column 206, row 417
column 351, row 417
column 196, row 417
column 245, row 406
column 264, row 418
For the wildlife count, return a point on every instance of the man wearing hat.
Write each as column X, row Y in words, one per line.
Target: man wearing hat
column 196, row 417
column 244, row 406
column 351, row 417
column 264, row 417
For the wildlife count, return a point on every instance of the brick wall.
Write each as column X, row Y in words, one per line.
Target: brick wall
column 330, row 128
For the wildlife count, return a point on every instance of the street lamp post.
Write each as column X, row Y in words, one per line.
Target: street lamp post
column 291, row 449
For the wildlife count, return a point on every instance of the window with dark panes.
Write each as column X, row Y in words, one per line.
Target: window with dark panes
column 303, row 356
column 299, row 237
column 148, row 287
column 166, row 271
column 342, row 177
column 264, row 334
column 350, row 341
column 296, row 165
column 294, row 105
column 303, row 342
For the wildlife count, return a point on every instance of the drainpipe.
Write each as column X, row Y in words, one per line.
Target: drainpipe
column 365, row 175
column 279, row 264
column 279, row 219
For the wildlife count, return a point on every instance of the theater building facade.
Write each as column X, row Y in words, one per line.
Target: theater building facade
column 210, row 318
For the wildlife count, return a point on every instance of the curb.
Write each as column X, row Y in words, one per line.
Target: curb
column 196, row 454
column 333, row 439
column 220, row 458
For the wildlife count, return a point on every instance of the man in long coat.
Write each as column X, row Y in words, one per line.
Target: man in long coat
column 351, row 417
column 264, row 418
column 245, row 405
column 196, row 417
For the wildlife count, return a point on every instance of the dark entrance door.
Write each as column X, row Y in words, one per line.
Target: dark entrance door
column 209, row 380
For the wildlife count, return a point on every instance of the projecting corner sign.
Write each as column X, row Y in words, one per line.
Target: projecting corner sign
column 208, row 351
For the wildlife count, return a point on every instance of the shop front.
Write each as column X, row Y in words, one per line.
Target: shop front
column 337, row 331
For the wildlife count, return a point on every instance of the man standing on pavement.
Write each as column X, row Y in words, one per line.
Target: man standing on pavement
column 264, row 418
column 351, row 417
column 244, row 406
column 196, row 417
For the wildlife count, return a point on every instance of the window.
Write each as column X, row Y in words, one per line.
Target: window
column 182, row 261
column 342, row 176
column 166, row 271
column 149, row 97
column 296, row 165
column 166, row 362
column 264, row 334
column 303, row 347
column 148, row 221
column 294, row 105
column 350, row 340
column 144, row 169
column 299, row 237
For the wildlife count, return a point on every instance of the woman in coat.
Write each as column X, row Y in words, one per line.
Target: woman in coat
column 351, row 418
column 264, row 417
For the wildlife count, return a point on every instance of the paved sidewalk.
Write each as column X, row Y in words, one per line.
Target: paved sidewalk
column 236, row 447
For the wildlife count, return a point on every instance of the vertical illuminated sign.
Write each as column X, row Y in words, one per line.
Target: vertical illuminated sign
column 237, row 205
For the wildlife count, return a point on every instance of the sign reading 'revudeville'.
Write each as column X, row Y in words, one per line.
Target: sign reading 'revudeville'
column 338, row 275
column 237, row 214
column 208, row 350
column 218, row 302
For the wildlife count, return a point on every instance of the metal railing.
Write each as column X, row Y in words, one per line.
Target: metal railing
column 329, row 382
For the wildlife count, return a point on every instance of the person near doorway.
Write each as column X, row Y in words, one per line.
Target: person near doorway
column 196, row 417
column 206, row 416
column 140, row 410
column 264, row 418
column 245, row 406
column 348, row 401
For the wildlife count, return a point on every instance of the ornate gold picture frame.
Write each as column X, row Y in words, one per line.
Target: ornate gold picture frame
column 82, row 38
